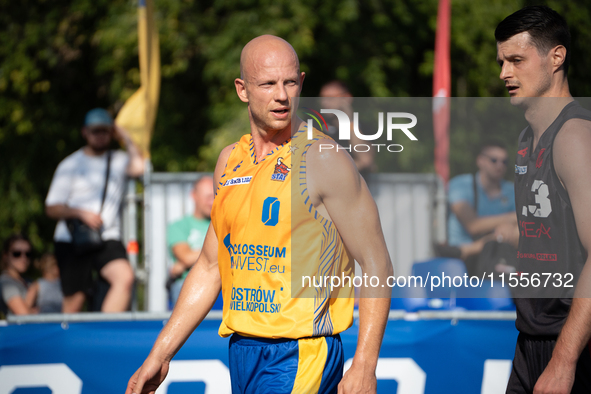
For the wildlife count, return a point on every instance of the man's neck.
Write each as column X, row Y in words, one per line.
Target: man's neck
column 90, row 151
column 199, row 216
column 543, row 111
column 491, row 186
column 265, row 141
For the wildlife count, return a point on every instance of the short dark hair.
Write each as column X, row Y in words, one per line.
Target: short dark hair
column 491, row 144
column 545, row 26
column 8, row 245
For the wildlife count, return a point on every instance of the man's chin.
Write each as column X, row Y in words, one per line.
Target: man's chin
column 279, row 125
column 519, row 101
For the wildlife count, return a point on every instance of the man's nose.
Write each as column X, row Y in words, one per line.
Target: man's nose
column 506, row 71
column 281, row 93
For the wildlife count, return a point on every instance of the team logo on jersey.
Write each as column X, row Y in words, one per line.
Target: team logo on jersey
column 281, row 171
column 520, row 169
column 532, row 230
column 238, row 166
column 522, row 152
column 540, row 158
column 243, row 180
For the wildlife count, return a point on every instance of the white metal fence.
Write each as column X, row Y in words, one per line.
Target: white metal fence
column 411, row 206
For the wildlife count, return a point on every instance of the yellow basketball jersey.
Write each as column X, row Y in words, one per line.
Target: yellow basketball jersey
column 257, row 208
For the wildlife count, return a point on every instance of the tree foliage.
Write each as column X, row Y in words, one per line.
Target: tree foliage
column 60, row 58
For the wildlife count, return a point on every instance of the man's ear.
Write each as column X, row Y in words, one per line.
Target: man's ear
column 558, row 54
column 302, row 77
column 193, row 193
column 241, row 89
column 479, row 160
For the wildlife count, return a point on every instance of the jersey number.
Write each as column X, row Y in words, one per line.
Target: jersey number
column 543, row 207
column 270, row 215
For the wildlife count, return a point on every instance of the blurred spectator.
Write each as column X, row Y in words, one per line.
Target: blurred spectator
column 46, row 293
column 482, row 206
column 16, row 258
column 344, row 101
column 185, row 237
column 77, row 192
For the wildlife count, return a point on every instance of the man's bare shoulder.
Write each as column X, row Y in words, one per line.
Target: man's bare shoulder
column 576, row 124
column 225, row 153
column 222, row 160
column 326, row 155
column 574, row 136
column 330, row 167
column 571, row 149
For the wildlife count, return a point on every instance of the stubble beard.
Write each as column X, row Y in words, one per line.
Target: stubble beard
column 528, row 102
column 266, row 124
column 99, row 149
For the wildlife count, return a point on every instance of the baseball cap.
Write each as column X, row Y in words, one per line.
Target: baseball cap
column 98, row 117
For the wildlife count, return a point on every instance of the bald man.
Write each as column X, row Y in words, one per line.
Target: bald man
column 185, row 236
column 285, row 338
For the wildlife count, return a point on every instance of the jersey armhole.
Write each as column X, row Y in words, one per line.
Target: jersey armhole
column 220, row 183
column 560, row 187
column 303, row 187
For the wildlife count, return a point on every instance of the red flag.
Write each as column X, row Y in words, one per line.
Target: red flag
column 442, row 90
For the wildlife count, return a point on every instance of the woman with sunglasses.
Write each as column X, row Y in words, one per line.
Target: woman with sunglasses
column 16, row 257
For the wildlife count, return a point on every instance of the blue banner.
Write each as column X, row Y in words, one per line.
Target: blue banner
column 422, row 356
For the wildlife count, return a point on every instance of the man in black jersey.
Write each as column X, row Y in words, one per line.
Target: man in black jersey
column 552, row 198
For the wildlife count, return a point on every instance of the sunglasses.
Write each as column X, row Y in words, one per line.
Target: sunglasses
column 494, row 160
column 18, row 253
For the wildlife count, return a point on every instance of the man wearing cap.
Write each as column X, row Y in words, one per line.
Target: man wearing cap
column 88, row 185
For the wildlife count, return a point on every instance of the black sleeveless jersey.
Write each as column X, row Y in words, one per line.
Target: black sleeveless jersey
column 548, row 244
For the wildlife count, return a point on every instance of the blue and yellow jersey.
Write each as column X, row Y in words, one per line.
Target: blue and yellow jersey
column 257, row 209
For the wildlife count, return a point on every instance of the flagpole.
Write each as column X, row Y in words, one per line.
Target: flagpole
column 442, row 90
column 441, row 114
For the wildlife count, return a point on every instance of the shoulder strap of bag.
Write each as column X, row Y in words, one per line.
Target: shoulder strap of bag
column 475, row 189
column 106, row 179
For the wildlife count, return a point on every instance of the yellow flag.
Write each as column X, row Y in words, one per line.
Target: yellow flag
column 138, row 114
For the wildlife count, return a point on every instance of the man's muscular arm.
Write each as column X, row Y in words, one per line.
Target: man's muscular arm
column 135, row 167
column 197, row 296
column 336, row 186
column 185, row 258
column 476, row 225
column 62, row 211
column 184, row 254
column 573, row 163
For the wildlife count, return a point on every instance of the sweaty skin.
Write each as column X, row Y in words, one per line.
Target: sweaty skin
column 270, row 76
column 528, row 75
column 270, row 72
